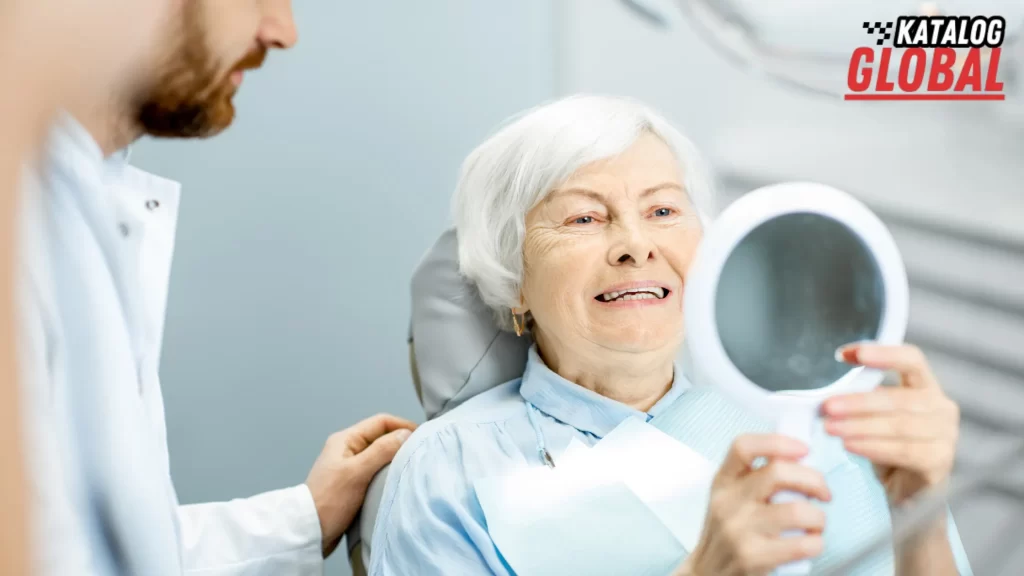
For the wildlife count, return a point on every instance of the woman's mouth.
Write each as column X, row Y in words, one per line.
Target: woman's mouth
column 649, row 293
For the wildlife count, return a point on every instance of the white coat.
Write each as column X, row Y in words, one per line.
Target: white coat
column 97, row 241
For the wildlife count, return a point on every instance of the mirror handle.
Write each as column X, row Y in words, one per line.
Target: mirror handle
column 797, row 423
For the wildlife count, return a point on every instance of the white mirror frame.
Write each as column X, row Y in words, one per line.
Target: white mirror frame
column 735, row 223
column 796, row 412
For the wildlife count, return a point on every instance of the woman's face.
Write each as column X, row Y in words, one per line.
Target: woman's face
column 606, row 254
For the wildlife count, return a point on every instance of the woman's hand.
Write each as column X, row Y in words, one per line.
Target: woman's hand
column 908, row 432
column 743, row 529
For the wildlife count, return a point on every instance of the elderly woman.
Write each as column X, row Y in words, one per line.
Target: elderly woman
column 577, row 222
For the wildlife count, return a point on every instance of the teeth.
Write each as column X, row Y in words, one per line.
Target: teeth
column 636, row 294
column 643, row 296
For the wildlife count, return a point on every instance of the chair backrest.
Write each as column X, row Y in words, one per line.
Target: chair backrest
column 456, row 351
column 459, row 349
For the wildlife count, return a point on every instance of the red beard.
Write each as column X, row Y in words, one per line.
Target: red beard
column 192, row 98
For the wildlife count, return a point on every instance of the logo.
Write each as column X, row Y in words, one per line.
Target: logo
column 929, row 58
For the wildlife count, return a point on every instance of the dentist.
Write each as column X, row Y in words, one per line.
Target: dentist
column 95, row 256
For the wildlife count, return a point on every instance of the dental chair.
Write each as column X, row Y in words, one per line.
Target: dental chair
column 456, row 351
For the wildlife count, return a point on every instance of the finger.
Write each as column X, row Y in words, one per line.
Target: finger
column 749, row 447
column 363, row 434
column 907, row 455
column 783, row 550
column 881, row 401
column 897, row 426
column 380, row 452
column 779, row 475
column 908, row 360
column 775, row 519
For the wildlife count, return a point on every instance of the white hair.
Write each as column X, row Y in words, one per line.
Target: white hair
column 531, row 155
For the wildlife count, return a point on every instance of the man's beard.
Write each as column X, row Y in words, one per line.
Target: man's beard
column 192, row 96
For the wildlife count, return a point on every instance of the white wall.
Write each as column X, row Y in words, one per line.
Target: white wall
column 932, row 159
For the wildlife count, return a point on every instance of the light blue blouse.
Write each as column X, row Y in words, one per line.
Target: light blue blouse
column 430, row 522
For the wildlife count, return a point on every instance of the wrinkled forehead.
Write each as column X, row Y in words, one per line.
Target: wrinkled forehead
column 616, row 193
column 645, row 167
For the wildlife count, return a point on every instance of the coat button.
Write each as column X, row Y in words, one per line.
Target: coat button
column 123, row 228
column 152, row 205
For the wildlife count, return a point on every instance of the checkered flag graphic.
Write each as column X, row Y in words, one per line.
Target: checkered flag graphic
column 883, row 29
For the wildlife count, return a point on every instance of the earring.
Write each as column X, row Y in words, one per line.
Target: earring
column 515, row 322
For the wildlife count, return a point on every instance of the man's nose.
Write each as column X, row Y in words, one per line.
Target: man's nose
column 278, row 30
column 633, row 246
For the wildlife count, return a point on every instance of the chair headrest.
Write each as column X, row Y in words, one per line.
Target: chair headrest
column 459, row 349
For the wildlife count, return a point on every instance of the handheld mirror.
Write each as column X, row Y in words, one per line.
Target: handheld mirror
column 785, row 276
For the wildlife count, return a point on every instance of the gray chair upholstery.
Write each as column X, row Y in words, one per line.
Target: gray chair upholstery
column 460, row 350
column 456, row 351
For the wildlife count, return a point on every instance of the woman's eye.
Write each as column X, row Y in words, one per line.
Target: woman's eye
column 583, row 220
column 663, row 212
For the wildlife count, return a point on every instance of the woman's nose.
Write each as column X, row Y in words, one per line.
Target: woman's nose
column 633, row 247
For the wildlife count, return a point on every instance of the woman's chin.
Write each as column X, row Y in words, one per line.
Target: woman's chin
column 638, row 329
column 641, row 340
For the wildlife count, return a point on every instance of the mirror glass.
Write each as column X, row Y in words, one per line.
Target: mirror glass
column 792, row 291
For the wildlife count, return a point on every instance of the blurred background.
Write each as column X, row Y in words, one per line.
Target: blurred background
column 300, row 227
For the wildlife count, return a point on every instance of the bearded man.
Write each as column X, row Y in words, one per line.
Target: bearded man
column 95, row 258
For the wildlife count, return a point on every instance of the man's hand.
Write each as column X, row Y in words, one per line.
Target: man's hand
column 343, row 471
